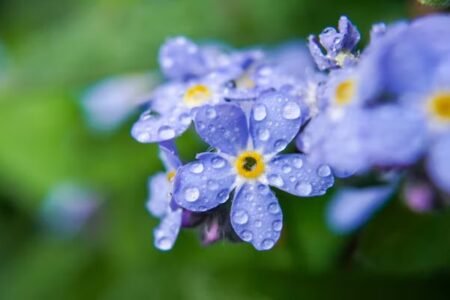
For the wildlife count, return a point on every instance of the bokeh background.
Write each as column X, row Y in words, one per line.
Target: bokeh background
column 51, row 51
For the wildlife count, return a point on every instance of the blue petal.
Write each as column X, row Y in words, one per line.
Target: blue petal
column 275, row 120
column 166, row 233
column 152, row 128
column 159, row 194
column 320, row 59
column 350, row 208
column 256, row 216
column 222, row 126
column 438, row 163
column 180, row 58
column 350, row 33
column 204, row 184
column 296, row 174
column 168, row 155
column 108, row 103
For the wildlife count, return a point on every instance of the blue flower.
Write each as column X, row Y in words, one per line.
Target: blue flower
column 339, row 45
column 108, row 103
column 415, row 74
column 247, row 161
column 199, row 76
column 160, row 203
column 350, row 208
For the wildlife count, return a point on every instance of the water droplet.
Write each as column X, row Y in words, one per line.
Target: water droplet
column 143, row 137
column 263, row 134
column 212, row 185
column 277, row 225
column 298, row 163
column 292, row 178
column 246, row 235
column 185, row 119
column 164, row 243
column 263, row 189
column 191, row 194
column 222, row 196
column 276, row 180
column 197, row 168
column 218, row 162
column 240, row 217
column 166, row 132
column 267, row 244
column 273, row 208
column 258, row 223
column 291, row 111
column 286, row 169
column 324, row 171
column 304, row 188
column 259, row 112
column 211, row 113
column 280, row 145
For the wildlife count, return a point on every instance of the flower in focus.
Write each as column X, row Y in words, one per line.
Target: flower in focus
column 197, row 79
column 161, row 205
column 247, row 161
column 339, row 46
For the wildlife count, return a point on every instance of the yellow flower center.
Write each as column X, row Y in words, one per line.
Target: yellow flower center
column 197, row 95
column 344, row 92
column 439, row 107
column 170, row 176
column 250, row 164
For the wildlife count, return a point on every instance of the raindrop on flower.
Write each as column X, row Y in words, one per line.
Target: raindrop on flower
column 197, row 168
column 291, row 111
column 218, row 162
column 304, row 188
column 267, row 244
column 277, row 225
column 166, row 132
column 259, row 112
column 191, row 194
column 263, row 134
column 240, row 217
column 273, row 208
column 164, row 243
column 324, row 171
column 246, row 235
column 276, row 180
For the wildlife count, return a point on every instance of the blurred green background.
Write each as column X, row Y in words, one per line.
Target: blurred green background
column 55, row 49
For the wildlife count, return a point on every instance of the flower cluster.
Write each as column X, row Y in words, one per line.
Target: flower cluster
column 383, row 111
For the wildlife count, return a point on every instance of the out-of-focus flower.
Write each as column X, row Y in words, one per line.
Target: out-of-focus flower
column 350, row 208
column 110, row 102
column 68, row 208
column 339, row 46
column 247, row 161
column 419, row 196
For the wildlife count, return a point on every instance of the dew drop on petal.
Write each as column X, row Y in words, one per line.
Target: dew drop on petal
column 298, row 163
column 277, row 225
column 258, row 223
column 185, row 119
column 211, row 113
column 218, row 162
column 246, row 235
column 212, row 185
column 267, row 244
column 163, row 243
column 280, row 145
column 286, row 169
column 291, row 111
column 197, row 168
column 324, row 171
column 259, row 112
column 240, row 217
column 263, row 134
column 191, row 194
column 304, row 188
column 273, row 208
column 276, row 180
column 166, row 132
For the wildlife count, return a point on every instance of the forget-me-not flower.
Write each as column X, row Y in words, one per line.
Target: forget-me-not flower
column 247, row 161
